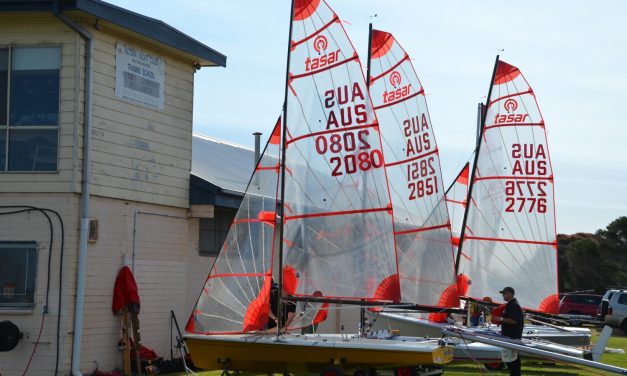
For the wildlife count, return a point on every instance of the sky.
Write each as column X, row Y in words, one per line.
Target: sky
column 573, row 53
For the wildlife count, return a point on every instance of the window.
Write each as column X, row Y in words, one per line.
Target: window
column 29, row 108
column 213, row 231
column 18, row 265
column 622, row 299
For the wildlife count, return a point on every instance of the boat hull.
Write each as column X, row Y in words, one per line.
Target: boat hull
column 418, row 327
column 298, row 353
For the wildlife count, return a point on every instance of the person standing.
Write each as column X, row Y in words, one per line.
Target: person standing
column 512, row 321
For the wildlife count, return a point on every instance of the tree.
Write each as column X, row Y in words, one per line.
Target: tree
column 594, row 261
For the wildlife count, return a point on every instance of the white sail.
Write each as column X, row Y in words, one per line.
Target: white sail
column 510, row 237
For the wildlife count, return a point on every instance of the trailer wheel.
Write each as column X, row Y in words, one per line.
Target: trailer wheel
column 494, row 366
column 406, row 371
column 366, row 372
column 331, row 371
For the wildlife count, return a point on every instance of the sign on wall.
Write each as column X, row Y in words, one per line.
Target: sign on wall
column 139, row 76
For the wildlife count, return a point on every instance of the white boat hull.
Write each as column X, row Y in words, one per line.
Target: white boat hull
column 413, row 326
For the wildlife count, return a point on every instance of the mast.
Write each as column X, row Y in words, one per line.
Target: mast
column 279, row 313
column 362, row 311
column 482, row 118
column 369, row 55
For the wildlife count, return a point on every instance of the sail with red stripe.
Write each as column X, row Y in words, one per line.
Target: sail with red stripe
column 236, row 295
column 510, row 236
column 338, row 228
column 421, row 220
column 456, row 197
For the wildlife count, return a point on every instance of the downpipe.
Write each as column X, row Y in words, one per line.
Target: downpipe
column 84, row 211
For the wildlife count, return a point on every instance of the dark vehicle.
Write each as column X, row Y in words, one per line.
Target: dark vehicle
column 580, row 304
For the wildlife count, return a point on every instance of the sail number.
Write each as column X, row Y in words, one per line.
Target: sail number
column 358, row 155
column 529, row 196
column 423, row 187
column 421, row 178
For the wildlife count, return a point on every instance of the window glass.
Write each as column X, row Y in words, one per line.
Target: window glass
column 4, row 75
column 18, row 262
column 33, row 150
column 214, row 230
column 35, row 85
column 622, row 299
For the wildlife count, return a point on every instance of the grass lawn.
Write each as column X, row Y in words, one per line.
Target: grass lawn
column 618, row 340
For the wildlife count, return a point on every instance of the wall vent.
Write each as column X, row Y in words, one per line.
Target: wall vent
column 93, row 230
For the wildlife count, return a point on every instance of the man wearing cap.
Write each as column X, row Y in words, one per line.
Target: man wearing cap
column 512, row 322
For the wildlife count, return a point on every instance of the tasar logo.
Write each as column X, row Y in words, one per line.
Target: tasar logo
column 396, row 79
column 510, row 105
column 320, row 44
column 398, row 91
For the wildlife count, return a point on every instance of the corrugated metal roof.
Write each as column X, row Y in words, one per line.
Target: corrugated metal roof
column 221, row 163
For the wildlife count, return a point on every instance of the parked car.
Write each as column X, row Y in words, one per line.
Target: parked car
column 613, row 308
column 580, row 304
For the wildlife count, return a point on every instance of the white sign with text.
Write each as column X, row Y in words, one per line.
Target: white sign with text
column 139, row 76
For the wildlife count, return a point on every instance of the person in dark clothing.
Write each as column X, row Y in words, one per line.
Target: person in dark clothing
column 289, row 309
column 512, row 322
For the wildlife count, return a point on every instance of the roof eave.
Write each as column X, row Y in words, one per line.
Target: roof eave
column 149, row 27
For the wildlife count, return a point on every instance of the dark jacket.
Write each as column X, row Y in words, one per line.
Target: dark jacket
column 514, row 312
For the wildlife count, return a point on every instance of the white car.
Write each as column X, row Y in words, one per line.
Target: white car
column 613, row 308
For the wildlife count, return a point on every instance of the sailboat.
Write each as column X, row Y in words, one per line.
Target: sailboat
column 421, row 220
column 399, row 101
column 315, row 225
column 508, row 234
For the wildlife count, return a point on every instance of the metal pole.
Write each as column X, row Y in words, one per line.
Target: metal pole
column 362, row 311
column 257, row 155
column 279, row 313
column 474, row 169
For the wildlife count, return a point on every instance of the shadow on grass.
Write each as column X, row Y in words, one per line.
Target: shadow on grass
column 535, row 369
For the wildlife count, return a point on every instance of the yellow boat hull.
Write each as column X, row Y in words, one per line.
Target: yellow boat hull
column 294, row 353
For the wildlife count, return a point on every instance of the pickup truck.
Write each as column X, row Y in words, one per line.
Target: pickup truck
column 613, row 308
